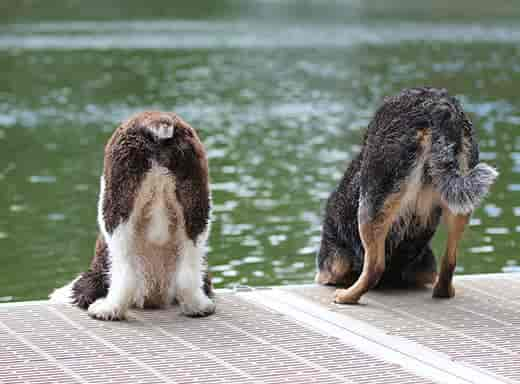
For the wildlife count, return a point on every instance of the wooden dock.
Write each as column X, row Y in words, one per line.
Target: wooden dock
column 288, row 334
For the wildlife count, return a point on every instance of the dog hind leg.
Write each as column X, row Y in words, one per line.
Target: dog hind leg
column 93, row 284
column 456, row 223
column 421, row 272
column 373, row 230
column 189, row 281
column 124, row 277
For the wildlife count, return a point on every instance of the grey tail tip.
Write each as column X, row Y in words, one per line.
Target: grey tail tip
column 464, row 193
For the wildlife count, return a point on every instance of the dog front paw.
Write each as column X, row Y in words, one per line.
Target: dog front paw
column 101, row 309
column 346, row 296
column 201, row 307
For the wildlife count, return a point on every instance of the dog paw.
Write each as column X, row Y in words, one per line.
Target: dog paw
column 198, row 308
column 162, row 130
column 101, row 309
column 345, row 296
column 443, row 291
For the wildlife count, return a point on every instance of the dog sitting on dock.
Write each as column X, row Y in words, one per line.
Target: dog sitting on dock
column 153, row 215
column 419, row 162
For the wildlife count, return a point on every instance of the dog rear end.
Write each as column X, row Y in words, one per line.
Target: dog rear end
column 420, row 156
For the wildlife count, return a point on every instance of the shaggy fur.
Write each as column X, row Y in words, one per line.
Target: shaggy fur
column 419, row 161
column 153, row 215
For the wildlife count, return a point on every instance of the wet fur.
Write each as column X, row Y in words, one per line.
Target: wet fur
column 419, row 160
column 153, row 215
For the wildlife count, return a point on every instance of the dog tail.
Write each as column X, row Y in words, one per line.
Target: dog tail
column 463, row 193
column 461, row 180
column 82, row 291
column 63, row 295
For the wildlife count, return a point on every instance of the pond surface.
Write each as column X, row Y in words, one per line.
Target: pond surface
column 280, row 96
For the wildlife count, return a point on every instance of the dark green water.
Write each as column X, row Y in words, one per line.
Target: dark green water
column 279, row 95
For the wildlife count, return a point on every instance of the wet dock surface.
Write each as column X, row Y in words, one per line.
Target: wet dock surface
column 291, row 334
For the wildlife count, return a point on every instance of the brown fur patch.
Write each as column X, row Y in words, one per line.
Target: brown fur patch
column 424, row 137
column 193, row 190
column 465, row 155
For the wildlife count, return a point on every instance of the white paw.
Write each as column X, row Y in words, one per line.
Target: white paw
column 163, row 130
column 198, row 307
column 103, row 310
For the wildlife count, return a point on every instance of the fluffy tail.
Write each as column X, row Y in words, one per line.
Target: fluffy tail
column 82, row 291
column 463, row 193
column 63, row 295
column 454, row 150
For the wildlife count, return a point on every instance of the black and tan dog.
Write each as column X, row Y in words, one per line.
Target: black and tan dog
column 419, row 162
column 153, row 216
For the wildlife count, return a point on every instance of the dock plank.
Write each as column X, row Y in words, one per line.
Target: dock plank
column 291, row 334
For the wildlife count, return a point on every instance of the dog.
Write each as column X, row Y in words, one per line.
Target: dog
column 419, row 163
column 153, row 217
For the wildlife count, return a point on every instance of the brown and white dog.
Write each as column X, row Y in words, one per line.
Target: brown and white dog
column 153, row 216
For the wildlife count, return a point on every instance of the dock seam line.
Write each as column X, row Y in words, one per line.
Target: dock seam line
column 459, row 333
column 347, row 336
column 310, row 309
